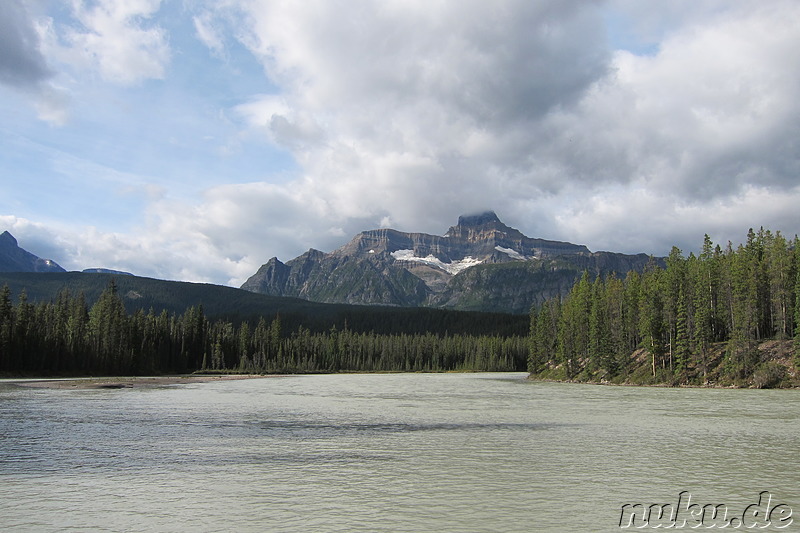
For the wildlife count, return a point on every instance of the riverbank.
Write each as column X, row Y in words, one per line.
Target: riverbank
column 131, row 382
column 773, row 367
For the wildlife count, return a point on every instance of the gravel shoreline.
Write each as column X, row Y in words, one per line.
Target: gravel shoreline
column 130, row 382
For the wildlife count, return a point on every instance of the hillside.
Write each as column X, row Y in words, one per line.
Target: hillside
column 239, row 305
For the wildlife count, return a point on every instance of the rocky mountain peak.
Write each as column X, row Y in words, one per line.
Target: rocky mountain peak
column 481, row 219
column 15, row 259
column 7, row 239
column 484, row 226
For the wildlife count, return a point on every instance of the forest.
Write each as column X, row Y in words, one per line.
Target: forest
column 699, row 321
column 66, row 337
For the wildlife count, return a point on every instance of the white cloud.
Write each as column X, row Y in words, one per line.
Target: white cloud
column 415, row 114
column 414, row 109
column 661, row 222
column 114, row 38
column 209, row 34
column 287, row 127
column 407, row 114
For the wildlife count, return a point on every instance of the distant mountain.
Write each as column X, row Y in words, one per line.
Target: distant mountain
column 105, row 271
column 15, row 259
column 479, row 264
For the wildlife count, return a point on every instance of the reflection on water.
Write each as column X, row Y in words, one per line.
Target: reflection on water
column 392, row 452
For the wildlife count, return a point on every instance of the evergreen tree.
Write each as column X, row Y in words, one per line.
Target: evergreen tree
column 651, row 318
column 797, row 303
column 22, row 342
column 536, row 358
column 6, row 327
column 780, row 285
column 681, row 349
column 573, row 339
column 108, row 333
column 601, row 353
column 631, row 302
column 744, row 267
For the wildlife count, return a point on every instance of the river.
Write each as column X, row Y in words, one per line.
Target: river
column 387, row 452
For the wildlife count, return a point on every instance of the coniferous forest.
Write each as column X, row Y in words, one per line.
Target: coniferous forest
column 701, row 320
column 69, row 337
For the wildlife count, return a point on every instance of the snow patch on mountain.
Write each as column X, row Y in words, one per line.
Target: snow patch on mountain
column 453, row 268
column 513, row 254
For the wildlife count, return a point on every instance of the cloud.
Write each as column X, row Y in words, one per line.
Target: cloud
column 21, row 62
column 427, row 112
column 410, row 113
column 114, row 39
column 714, row 109
column 415, row 109
column 661, row 224
column 209, row 34
column 23, row 66
column 111, row 37
column 414, row 114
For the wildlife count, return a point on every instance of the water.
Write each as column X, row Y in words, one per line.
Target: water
column 391, row 452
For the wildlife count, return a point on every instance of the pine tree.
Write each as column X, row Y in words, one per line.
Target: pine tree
column 6, row 327
column 631, row 301
column 573, row 347
column 744, row 265
column 245, row 363
column 674, row 281
column 651, row 318
column 22, row 334
column 601, row 354
column 780, row 284
column 536, row 353
column 108, row 333
column 797, row 303
column 681, row 349
column 705, row 283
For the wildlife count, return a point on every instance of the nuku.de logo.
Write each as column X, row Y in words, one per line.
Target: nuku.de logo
column 685, row 514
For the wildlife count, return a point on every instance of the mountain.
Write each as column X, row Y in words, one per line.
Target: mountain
column 479, row 264
column 15, row 259
column 105, row 271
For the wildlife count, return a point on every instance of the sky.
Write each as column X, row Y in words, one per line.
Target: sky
column 196, row 139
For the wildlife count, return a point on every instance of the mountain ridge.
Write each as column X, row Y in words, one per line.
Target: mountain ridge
column 229, row 303
column 15, row 259
column 390, row 267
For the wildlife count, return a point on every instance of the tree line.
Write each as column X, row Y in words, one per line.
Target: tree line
column 66, row 336
column 678, row 318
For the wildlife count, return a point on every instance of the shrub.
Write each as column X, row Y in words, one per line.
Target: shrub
column 769, row 375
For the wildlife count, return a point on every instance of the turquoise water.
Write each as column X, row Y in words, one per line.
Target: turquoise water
column 385, row 452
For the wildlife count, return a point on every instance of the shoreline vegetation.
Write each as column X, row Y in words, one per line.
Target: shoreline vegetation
column 775, row 371
column 727, row 317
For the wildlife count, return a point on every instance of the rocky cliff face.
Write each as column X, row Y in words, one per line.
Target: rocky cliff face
column 15, row 259
column 479, row 264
